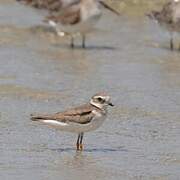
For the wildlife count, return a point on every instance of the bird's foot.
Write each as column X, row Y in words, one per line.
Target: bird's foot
column 83, row 41
column 79, row 147
column 72, row 46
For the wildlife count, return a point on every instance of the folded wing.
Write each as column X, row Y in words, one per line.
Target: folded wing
column 67, row 16
column 50, row 5
column 81, row 115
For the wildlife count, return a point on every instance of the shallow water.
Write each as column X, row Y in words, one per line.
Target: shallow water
column 129, row 58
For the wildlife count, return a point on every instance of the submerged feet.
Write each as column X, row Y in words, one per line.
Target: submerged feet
column 172, row 45
column 83, row 45
column 72, row 42
column 83, row 41
column 79, row 147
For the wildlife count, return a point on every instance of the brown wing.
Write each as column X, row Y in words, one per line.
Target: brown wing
column 167, row 13
column 63, row 11
column 70, row 15
column 44, row 4
column 82, row 114
column 51, row 5
column 176, row 16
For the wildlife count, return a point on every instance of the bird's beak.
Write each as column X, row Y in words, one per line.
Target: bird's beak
column 110, row 104
column 105, row 5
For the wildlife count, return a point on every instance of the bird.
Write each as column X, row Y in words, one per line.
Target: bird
column 71, row 17
column 79, row 120
column 169, row 18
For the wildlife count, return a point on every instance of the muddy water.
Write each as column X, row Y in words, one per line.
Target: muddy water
column 129, row 59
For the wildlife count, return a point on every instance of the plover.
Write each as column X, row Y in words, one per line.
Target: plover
column 85, row 118
column 169, row 17
column 71, row 17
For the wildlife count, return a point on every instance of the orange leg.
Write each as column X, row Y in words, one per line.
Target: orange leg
column 81, row 139
column 79, row 145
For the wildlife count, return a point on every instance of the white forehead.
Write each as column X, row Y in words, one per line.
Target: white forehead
column 176, row 0
column 99, row 96
column 68, row 2
column 102, row 96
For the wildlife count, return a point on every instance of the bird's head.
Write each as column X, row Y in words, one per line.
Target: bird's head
column 101, row 100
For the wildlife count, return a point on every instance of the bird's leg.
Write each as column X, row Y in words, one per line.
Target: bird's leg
column 72, row 41
column 171, row 44
column 171, row 41
column 83, row 41
column 81, row 144
column 77, row 143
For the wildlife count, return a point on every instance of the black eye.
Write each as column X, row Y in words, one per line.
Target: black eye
column 99, row 99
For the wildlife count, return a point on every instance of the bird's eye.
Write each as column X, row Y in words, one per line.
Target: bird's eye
column 99, row 99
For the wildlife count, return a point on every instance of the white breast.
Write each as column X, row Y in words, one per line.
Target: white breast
column 95, row 123
column 90, row 11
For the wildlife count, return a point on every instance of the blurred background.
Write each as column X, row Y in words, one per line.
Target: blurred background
column 128, row 57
